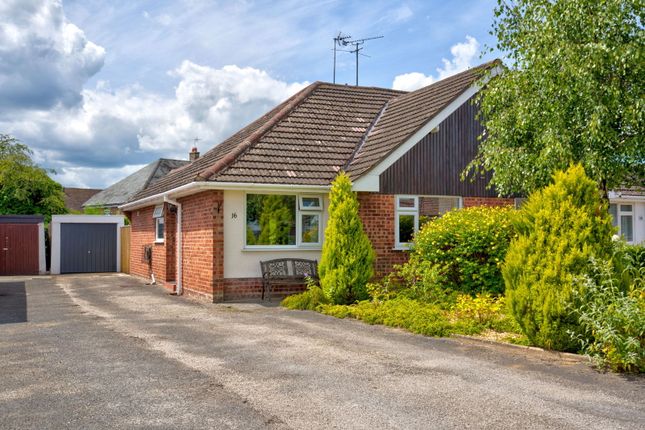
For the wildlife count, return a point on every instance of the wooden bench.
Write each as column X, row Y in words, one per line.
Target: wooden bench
column 286, row 271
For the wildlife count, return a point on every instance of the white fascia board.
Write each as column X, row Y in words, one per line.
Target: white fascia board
column 369, row 181
column 195, row 187
column 91, row 219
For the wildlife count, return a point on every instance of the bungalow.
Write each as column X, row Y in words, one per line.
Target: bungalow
column 206, row 226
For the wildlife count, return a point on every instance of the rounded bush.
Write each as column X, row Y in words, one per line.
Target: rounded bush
column 468, row 246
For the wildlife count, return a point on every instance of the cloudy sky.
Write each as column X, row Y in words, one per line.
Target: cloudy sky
column 100, row 88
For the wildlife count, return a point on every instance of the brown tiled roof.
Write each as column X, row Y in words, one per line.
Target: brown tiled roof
column 325, row 127
column 190, row 172
column 75, row 197
column 406, row 114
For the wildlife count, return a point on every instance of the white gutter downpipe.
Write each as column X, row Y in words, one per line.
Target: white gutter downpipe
column 179, row 275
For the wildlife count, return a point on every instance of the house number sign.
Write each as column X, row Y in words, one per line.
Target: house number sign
column 234, row 215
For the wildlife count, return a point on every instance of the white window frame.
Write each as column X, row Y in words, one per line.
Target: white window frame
column 619, row 215
column 398, row 210
column 158, row 215
column 404, row 211
column 299, row 212
column 302, row 207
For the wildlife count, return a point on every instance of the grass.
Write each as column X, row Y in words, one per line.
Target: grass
column 483, row 315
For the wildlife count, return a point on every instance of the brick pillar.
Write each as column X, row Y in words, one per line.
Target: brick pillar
column 203, row 245
column 218, row 247
column 377, row 213
column 170, row 235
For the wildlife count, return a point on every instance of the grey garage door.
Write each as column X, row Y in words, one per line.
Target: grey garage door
column 87, row 248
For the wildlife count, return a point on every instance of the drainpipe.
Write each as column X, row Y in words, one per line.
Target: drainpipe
column 179, row 274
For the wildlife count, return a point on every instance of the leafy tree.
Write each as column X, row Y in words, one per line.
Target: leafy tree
column 560, row 227
column 347, row 258
column 26, row 188
column 573, row 94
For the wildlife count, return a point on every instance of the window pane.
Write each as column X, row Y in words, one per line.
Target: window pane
column 158, row 212
column 310, row 228
column 311, row 202
column 627, row 227
column 407, row 202
column 406, row 228
column 433, row 207
column 160, row 222
column 613, row 211
column 270, row 219
column 625, row 208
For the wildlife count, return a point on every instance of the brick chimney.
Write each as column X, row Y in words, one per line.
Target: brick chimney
column 193, row 154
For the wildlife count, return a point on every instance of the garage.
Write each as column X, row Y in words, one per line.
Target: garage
column 22, row 245
column 86, row 243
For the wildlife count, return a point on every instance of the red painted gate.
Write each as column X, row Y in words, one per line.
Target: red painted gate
column 19, row 249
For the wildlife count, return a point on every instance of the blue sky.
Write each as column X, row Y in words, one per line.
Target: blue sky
column 100, row 88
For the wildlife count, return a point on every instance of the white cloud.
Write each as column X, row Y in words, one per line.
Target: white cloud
column 44, row 59
column 90, row 177
column 94, row 137
column 463, row 55
column 132, row 126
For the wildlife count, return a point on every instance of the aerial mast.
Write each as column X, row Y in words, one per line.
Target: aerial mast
column 358, row 47
column 346, row 40
column 339, row 41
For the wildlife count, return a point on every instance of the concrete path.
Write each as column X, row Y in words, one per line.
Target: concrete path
column 110, row 352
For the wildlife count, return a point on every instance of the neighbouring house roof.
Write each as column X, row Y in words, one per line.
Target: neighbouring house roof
column 75, row 197
column 626, row 192
column 322, row 129
column 129, row 186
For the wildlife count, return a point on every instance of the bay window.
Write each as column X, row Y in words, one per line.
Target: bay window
column 283, row 220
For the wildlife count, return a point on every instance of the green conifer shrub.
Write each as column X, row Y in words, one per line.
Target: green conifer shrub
column 559, row 229
column 347, row 258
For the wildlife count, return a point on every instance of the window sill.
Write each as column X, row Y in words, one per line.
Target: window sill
column 159, row 242
column 401, row 248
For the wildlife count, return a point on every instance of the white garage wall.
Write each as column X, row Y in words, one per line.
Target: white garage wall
column 57, row 220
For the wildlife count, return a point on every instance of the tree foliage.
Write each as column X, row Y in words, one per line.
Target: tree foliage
column 276, row 220
column 347, row 258
column 560, row 227
column 573, row 93
column 25, row 188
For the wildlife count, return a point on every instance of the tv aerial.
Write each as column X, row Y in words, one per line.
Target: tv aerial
column 346, row 40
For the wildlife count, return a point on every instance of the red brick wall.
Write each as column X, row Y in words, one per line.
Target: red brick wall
column 377, row 214
column 251, row 288
column 142, row 233
column 487, row 201
column 203, row 245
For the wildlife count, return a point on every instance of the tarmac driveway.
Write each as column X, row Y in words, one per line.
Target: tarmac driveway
column 110, row 352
